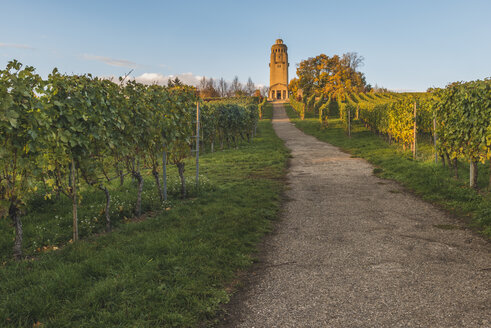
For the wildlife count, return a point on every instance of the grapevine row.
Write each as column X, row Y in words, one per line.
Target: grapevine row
column 458, row 116
column 68, row 129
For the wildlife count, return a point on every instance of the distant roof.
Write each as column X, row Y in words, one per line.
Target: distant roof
column 279, row 41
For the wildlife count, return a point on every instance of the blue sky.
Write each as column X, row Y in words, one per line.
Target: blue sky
column 407, row 45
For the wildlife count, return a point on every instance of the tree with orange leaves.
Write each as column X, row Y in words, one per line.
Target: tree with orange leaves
column 330, row 76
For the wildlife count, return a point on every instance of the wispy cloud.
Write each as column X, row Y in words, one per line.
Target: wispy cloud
column 111, row 61
column 15, row 45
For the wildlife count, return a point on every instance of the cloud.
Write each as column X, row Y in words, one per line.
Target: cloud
column 111, row 61
column 156, row 78
column 15, row 45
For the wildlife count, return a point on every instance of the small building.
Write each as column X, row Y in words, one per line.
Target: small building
column 278, row 72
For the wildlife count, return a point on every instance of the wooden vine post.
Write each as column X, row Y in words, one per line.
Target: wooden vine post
column 74, row 202
column 349, row 122
column 197, row 144
column 473, row 173
column 435, row 137
column 164, row 171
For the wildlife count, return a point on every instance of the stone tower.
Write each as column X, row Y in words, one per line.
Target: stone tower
column 278, row 72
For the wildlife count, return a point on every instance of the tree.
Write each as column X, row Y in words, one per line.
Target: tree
column 377, row 89
column 177, row 82
column 329, row 76
column 174, row 83
column 235, row 87
column 202, row 84
column 222, row 87
column 211, row 89
column 293, row 87
column 249, row 88
column 352, row 60
column 264, row 91
column 208, row 89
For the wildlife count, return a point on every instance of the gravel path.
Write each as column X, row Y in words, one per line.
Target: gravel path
column 353, row 250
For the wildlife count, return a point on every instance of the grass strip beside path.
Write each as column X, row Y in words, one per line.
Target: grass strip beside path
column 170, row 270
column 432, row 182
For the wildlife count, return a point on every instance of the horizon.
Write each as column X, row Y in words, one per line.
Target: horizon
column 407, row 47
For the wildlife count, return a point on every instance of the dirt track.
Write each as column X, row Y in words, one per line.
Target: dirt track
column 353, row 250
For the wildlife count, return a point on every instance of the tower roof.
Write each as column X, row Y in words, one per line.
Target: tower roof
column 279, row 45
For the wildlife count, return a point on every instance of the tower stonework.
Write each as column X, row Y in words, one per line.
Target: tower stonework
column 278, row 71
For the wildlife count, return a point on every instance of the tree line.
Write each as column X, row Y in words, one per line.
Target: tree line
column 211, row 88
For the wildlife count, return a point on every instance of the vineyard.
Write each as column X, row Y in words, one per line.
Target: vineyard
column 436, row 143
column 457, row 119
column 73, row 133
column 167, row 164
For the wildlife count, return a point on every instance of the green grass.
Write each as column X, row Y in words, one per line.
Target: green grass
column 48, row 222
column 171, row 270
column 431, row 182
column 268, row 111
